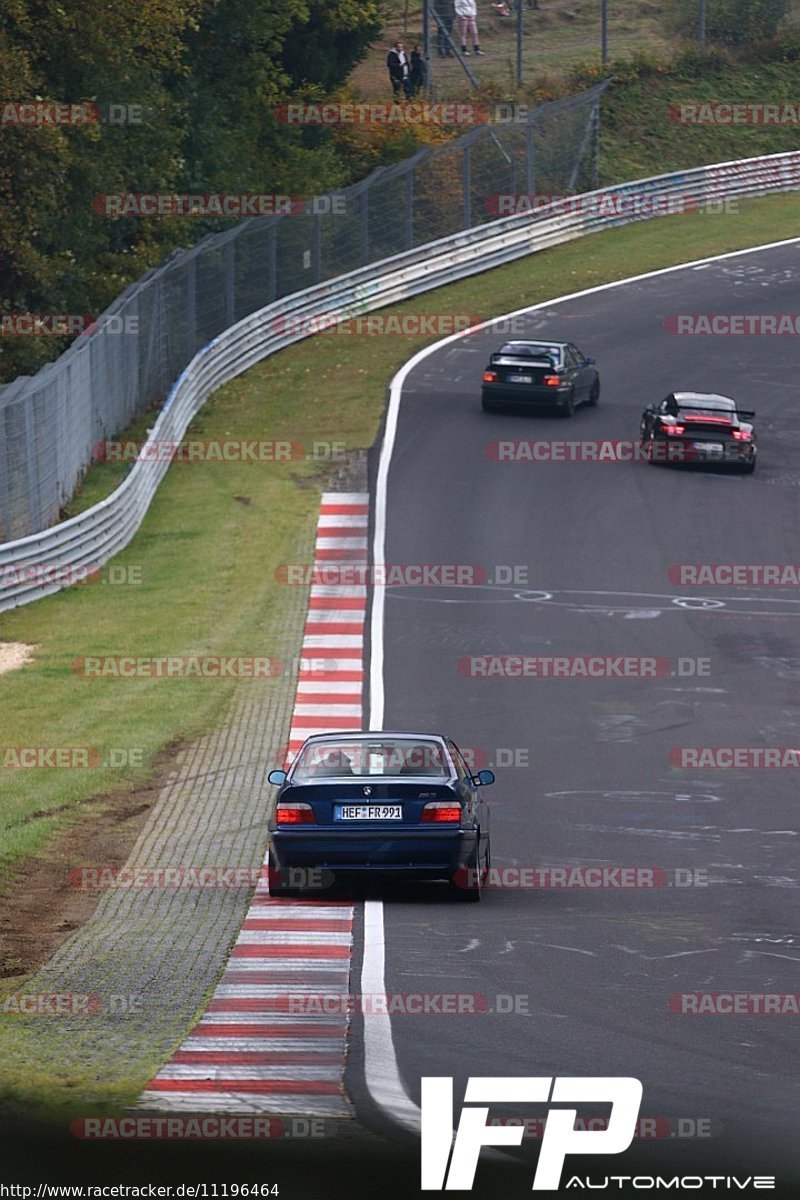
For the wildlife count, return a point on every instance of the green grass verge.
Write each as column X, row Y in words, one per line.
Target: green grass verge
column 637, row 139
column 208, row 564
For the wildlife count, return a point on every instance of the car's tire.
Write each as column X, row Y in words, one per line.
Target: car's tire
column 276, row 886
column 568, row 410
column 648, row 445
column 487, row 405
column 594, row 394
column 472, row 894
column 749, row 467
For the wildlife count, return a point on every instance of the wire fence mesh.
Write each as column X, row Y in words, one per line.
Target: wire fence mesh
column 552, row 36
column 52, row 423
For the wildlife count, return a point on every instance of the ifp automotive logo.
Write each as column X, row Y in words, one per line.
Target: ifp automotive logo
column 560, row 1135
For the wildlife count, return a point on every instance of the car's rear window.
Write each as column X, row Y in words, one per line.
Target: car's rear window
column 370, row 756
column 531, row 350
column 724, row 406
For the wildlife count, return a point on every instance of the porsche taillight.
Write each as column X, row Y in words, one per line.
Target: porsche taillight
column 674, row 429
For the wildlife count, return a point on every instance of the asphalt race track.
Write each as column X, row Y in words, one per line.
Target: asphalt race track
column 593, row 970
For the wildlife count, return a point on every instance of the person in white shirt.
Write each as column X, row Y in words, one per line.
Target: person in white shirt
column 467, row 18
column 399, row 70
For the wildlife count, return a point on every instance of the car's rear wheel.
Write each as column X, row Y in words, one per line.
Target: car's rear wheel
column 467, row 883
column 568, row 409
column 594, row 394
column 749, row 467
column 277, row 879
column 487, row 405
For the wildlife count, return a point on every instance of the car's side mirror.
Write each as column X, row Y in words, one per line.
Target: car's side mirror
column 483, row 778
column 277, row 777
column 589, row 362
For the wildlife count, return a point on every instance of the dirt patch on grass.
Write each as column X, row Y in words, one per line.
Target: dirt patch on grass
column 14, row 655
column 40, row 907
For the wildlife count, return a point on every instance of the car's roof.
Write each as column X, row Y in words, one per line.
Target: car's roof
column 708, row 398
column 340, row 735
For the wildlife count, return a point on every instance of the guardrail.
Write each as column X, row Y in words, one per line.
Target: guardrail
column 45, row 562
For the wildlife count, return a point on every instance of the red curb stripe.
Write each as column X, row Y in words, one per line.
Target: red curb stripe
column 315, row 652
column 279, row 1086
column 220, row 1029
column 340, row 554
column 348, row 531
column 345, row 675
column 264, row 905
column 251, row 950
column 306, row 924
column 344, row 510
column 354, row 603
column 251, row 1057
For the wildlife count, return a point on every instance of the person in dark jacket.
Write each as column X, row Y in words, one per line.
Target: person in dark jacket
column 419, row 71
column 399, row 70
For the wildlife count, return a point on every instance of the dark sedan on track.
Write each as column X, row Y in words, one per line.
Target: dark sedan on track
column 698, row 427
column 403, row 805
column 534, row 375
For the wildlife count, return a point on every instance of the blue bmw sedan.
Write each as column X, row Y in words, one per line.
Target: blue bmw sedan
column 394, row 804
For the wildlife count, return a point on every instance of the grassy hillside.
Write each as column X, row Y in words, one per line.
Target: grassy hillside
column 638, row 138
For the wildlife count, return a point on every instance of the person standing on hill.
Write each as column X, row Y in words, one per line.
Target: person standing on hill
column 419, row 71
column 467, row 17
column 399, row 70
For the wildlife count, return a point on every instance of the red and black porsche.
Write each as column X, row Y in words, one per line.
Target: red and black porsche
column 698, row 427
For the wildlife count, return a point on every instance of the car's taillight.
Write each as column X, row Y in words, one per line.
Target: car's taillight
column 551, row 381
column 441, row 810
column 490, row 376
column 741, row 435
column 295, row 813
column 673, row 429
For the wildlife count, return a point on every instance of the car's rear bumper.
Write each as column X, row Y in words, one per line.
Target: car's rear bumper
column 431, row 853
column 524, row 395
column 686, row 450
